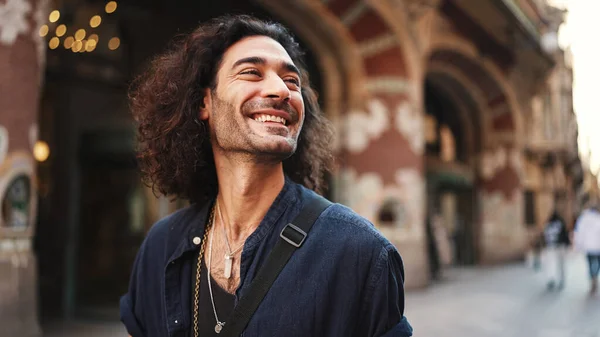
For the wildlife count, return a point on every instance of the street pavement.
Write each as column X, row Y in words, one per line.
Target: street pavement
column 501, row 301
column 509, row 301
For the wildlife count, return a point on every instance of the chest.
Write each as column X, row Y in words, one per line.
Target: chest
column 311, row 297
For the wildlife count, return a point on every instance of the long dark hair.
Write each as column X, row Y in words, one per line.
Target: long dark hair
column 555, row 216
column 174, row 151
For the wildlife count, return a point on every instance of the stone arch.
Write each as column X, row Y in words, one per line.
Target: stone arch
column 503, row 108
column 376, row 77
column 363, row 45
column 398, row 21
column 455, row 102
column 354, row 31
column 498, row 184
column 382, row 128
column 381, row 50
column 462, row 91
column 333, row 46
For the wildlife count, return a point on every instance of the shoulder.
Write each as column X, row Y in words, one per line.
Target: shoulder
column 172, row 222
column 359, row 233
column 352, row 225
column 344, row 231
column 356, row 239
column 166, row 233
column 345, row 223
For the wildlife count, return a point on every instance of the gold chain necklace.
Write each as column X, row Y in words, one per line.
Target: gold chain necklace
column 198, row 270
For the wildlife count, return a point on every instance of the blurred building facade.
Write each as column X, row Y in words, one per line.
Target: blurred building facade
column 455, row 115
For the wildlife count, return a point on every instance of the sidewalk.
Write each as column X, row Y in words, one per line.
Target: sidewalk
column 507, row 301
column 85, row 329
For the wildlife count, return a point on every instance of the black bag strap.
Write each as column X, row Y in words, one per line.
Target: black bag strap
column 291, row 238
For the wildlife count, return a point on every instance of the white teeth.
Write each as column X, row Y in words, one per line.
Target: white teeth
column 270, row 118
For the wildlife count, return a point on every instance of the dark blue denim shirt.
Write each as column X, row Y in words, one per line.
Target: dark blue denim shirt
column 345, row 280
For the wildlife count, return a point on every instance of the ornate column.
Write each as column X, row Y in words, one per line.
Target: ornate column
column 21, row 67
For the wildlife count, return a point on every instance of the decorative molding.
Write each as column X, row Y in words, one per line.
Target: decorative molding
column 366, row 194
column 409, row 122
column 517, row 163
column 4, row 138
column 377, row 44
column 33, row 135
column 423, row 19
column 502, row 217
column 353, row 13
column 363, row 126
column 493, row 161
column 13, row 20
column 390, row 85
column 418, row 8
column 40, row 17
column 15, row 245
column 457, row 44
column 19, row 163
column 394, row 14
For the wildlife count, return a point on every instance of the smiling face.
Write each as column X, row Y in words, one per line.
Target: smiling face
column 257, row 106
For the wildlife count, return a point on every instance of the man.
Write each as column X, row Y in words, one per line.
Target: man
column 556, row 239
column 587, row 240
column 227, row 119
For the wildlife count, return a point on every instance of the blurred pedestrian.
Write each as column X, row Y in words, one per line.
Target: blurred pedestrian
column 587, row 240
column 556, row 241
column 537, row 247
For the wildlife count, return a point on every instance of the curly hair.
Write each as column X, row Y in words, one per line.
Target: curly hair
column 174, row 151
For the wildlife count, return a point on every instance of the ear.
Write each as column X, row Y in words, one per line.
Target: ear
column 206, row 106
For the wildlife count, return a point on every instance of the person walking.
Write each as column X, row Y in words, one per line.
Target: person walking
column 587, row 240
column 556, row 241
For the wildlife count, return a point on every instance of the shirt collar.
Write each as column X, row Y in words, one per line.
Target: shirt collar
column 193, row 222
column 286, row 197
column 191, row 226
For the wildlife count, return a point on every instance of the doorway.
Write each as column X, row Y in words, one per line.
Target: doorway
column 451, row 191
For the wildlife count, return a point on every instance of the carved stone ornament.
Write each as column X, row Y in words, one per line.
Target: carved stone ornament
column 13, row 20
column 417, row 8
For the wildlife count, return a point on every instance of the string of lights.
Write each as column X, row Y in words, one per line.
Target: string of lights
column 79, row 41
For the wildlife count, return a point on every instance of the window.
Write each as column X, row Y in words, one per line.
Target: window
column 448, row 145
column 16, row 203
column 530, row 209
column 548, row 129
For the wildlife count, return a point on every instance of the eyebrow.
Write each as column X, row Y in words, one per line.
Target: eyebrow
column 259, row 60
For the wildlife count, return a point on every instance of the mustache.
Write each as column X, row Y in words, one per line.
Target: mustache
column 249, row 107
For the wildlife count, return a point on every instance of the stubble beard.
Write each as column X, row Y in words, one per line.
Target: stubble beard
column 237, row 144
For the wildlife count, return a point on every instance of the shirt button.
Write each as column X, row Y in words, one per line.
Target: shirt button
column 176, row 322
column 196, row 240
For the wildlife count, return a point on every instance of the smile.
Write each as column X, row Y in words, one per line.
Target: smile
column 269, row 118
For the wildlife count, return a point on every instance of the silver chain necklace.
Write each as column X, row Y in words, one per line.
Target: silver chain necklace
column 229, row 254
column 220, row 324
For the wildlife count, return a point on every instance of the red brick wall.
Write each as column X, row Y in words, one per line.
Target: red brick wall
column 19, row 90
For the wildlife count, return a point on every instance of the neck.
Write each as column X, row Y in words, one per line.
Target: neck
column 246, row 191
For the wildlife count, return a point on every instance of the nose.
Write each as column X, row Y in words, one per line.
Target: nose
column 275, row 88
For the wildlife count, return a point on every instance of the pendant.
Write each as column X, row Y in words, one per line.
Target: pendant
column 228, row 266
column 219, row 327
